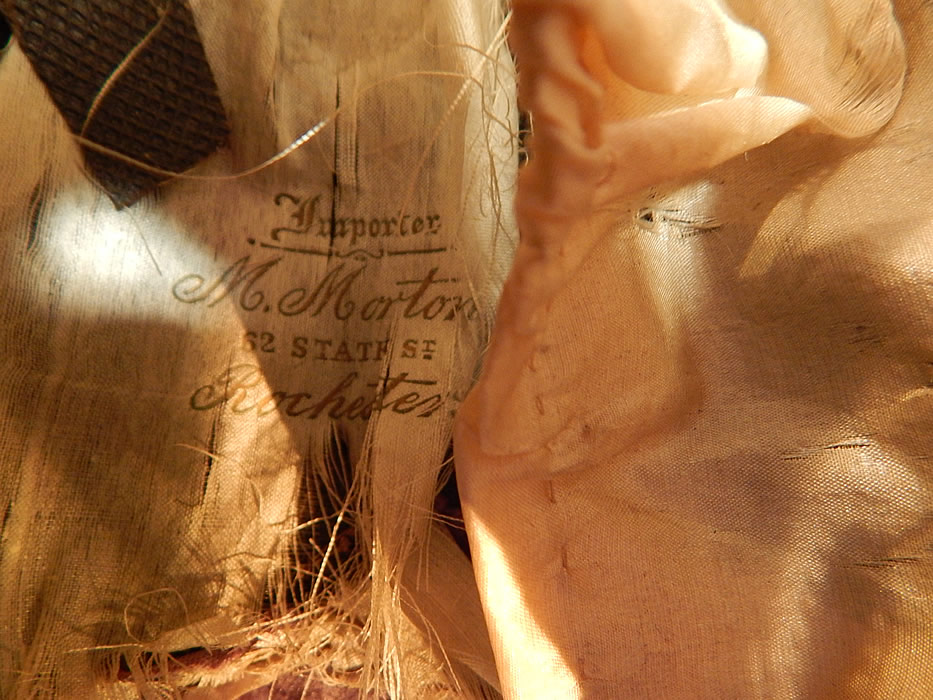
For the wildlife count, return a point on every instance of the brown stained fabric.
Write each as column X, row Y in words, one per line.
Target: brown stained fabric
column 162, row 109
column 205, row 391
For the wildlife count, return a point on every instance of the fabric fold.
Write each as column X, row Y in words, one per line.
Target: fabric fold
column 686, row 468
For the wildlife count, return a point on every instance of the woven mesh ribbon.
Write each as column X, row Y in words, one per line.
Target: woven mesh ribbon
column 129, row 77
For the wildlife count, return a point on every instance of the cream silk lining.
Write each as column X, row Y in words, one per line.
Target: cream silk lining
column 696, row 464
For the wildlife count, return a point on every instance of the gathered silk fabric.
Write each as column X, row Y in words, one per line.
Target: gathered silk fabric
column 697, row 462
column 681, row 362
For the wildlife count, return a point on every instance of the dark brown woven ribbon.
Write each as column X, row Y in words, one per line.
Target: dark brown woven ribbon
column 130, row 76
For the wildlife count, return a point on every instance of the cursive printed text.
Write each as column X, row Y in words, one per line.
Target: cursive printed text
column 337, row 293
column 305, row 215
column 241, row 390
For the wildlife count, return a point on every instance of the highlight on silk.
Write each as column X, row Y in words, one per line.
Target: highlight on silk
column 466, row 349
